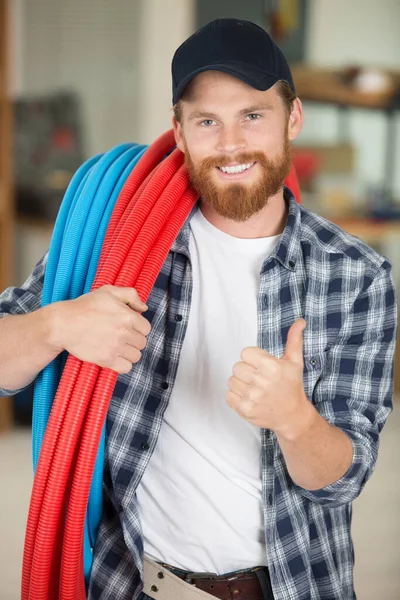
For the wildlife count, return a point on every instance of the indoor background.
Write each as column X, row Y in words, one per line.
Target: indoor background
column 78, row 77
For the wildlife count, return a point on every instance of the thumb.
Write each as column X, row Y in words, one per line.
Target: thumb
column 130, row 297
column 294, row 343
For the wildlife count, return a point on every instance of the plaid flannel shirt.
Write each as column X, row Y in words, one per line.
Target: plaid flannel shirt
column 344, row 290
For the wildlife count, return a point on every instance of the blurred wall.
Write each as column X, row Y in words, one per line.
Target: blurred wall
column 365, row 31
column 92, row 48
column 116, row 55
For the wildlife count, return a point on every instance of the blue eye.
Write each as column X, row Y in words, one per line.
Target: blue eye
column 253, row 117
column 207, row 122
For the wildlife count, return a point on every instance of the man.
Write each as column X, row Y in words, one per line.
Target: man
column 251, row 419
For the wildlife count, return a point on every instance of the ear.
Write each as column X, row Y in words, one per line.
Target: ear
column 296, row 119
column 178, row 132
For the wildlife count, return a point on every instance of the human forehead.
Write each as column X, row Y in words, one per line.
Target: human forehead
column 214, row 86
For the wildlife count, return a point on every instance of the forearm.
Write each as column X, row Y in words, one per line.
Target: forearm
column 27, row 346
column 316, row 453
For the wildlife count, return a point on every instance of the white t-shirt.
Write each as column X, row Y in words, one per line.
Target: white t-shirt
column 200, row 497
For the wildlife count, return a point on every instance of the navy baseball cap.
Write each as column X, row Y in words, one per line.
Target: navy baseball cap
column 240, row 48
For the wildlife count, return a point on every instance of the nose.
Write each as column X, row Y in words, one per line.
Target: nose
column 231, row 139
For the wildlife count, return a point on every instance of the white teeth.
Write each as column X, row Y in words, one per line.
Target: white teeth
column 236, row 169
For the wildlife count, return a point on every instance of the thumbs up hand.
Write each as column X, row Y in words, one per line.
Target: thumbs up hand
column 268, row 391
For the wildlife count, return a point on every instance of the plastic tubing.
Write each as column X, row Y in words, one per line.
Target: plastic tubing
column 81, row 225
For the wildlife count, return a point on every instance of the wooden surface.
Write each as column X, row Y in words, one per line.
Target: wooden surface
column 327, row 86
column 6, row 208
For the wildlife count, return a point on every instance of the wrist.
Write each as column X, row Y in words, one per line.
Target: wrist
column 302, row 423
column 54, row 326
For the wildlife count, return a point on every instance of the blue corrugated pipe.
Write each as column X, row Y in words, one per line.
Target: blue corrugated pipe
column 72, row 262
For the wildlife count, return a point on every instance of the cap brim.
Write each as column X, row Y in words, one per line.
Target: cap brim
column 256, row 78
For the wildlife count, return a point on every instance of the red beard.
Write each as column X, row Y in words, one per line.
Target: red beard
column 237, row 201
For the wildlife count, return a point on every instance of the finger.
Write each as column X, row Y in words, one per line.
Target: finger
column 140, row 324
column 131, row 354
column 256, row 357
column 136, row 339
column 233, row 400
column 121, row 366
column 294, row 342
column 243, row 407
column 128, row 296
column 244, row 372
column 238, row 387
column 137, row 334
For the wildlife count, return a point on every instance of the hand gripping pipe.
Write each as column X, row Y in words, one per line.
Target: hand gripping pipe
column 143, row 213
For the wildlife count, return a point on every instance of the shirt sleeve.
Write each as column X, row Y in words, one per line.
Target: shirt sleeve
column 22, row 300
column 355, row 391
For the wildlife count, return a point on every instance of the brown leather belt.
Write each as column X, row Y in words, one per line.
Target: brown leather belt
column 236, row 586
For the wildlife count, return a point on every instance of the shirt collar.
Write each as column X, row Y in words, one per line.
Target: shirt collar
column 287, row 249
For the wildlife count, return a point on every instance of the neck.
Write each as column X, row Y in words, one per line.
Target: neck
column 270, row 221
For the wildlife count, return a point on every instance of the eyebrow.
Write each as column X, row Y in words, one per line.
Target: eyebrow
column 200, row 114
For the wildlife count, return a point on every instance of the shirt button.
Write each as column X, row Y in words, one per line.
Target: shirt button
column 292, row 264
column 145, row 446
column 178, row 318
column 313, row 361
column 164, row 385
column 154, row 588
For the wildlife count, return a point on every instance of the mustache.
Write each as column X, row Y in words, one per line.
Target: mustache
column 224, row 160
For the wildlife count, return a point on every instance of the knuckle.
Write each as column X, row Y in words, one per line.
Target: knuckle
column 274, row 368
column 106, row 288
column 252, row 395
column 127, row 322
column 134, row 294
column 109, row 357
column 247, row 409
column 120, row 333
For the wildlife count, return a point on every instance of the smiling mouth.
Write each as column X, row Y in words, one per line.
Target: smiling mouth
column 233, row 170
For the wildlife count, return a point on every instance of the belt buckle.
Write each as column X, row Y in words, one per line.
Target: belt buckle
column 203, row 575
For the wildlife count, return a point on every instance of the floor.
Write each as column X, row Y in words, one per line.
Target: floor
column 376, row 525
